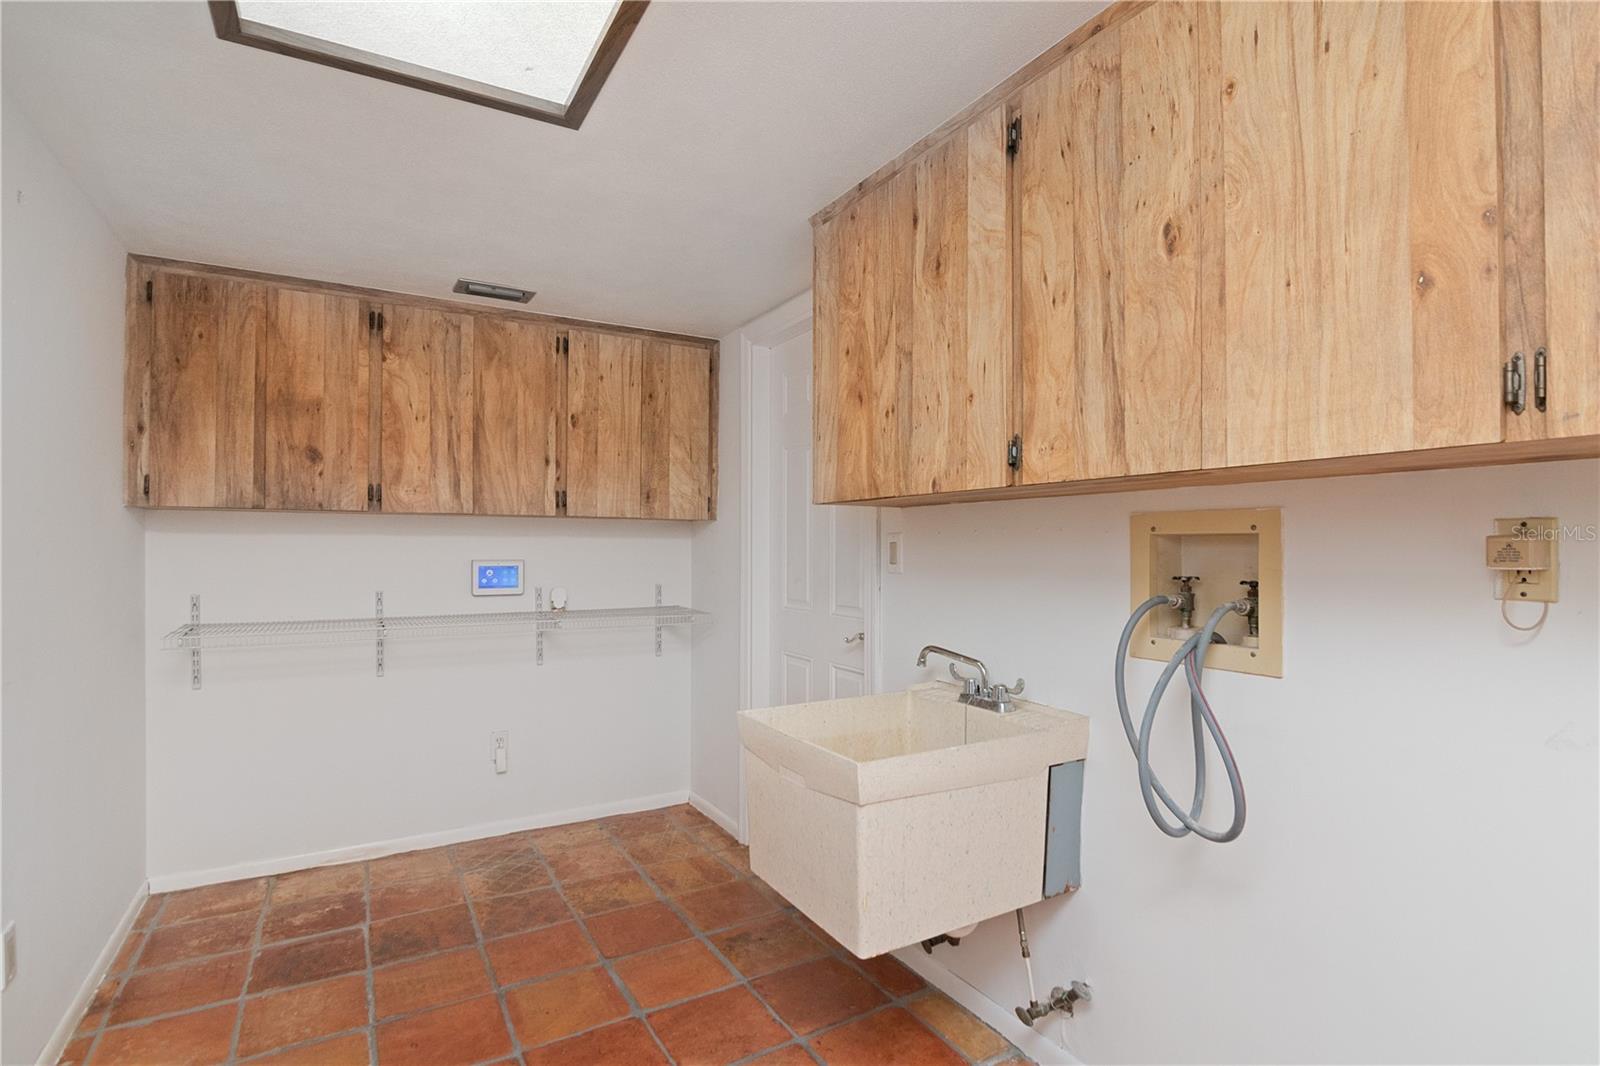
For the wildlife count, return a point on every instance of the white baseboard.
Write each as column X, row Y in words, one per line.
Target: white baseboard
column 1029, row 1041
column 716, row 814
column 80, row 1002
column 264, row 867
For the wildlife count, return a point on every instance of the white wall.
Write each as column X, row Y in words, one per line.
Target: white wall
column 291, row 752
column 73, row 731
column 1417, row 879
column 715, row 686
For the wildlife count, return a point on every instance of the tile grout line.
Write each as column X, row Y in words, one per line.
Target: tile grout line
column 605, row 963
column 512, row 1038
column 250, row 968
column 122, row 980
column 702, row 936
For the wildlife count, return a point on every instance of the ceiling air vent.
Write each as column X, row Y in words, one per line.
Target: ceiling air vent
column 492, row 291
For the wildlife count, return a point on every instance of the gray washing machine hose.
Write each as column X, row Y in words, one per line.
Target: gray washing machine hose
column 1190, row 655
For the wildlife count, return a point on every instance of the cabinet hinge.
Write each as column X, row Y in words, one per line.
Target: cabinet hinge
column 370, row 495
column 1514, row 385
column 1014, row 135
column 147, row 486
column 372, row 327
column 149, row 292
column 561, row 500
column 1540, row 381
column 1014, row 452
column 380, row 321
column 378, row 495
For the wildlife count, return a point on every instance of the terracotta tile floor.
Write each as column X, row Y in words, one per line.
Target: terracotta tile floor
column 630, row 940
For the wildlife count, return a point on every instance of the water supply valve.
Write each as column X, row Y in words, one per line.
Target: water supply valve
column 1254, row 615
column 1185, row 598
column 1061, row 999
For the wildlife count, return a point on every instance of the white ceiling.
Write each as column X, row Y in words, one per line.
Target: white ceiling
column 681, row 204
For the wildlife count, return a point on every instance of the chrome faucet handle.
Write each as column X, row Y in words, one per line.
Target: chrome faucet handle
column 1001, row 695
column 969, row 685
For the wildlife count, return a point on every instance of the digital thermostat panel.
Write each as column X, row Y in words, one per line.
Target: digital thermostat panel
column 497, row 577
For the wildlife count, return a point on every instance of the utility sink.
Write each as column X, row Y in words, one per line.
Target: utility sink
column 894, row 818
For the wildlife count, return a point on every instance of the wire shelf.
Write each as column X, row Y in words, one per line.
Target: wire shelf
column 204, row 636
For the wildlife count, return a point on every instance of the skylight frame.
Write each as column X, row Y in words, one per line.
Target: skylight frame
column 230, row 26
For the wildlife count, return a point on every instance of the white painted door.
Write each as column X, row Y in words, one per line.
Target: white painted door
column 822, row 568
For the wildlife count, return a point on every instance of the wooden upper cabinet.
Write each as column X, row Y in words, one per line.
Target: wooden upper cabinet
column 1550, row 168
column 244, row 391
column 1116, row 309
column 639, row 427
column 913, row 326
column 427, row 415
column 195, row 353
column 317, row 401
column 1267, row 234
column 520, row 377
column 1362, row 232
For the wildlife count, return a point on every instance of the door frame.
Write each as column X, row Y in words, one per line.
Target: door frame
column 756, row 435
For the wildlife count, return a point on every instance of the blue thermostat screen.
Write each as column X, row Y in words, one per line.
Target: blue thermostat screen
column 502, row 576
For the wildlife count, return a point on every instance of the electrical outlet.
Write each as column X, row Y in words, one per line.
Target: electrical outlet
column 500, row 750
column 11, row 953
column 1532, row 539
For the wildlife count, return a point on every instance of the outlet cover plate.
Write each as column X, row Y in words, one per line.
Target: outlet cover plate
column 1530, row 586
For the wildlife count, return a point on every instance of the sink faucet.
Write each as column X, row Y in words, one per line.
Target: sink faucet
column 976, row 691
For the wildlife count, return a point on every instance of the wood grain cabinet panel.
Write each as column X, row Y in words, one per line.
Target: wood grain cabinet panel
column 675, row 431
column 427, row 415
column 913, row 327
column 317, row 399
column 604, row 406
column 1111, row 187
column 639, row 427
column 206, row 337
column 520, row 378
column 1550, row 170
column 1362, row 238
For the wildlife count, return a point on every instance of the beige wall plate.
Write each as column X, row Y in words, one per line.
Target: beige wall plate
column 1530, row 586
column 1222, row 548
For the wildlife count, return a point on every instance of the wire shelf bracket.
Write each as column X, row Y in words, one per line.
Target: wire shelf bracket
column 380, row 632
column 194, row 653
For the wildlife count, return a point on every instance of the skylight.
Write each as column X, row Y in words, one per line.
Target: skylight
column 541, row 58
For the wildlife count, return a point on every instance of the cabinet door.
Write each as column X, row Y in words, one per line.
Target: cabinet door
column 519, row 414
column 1113, row 202
column 604, row 406
column 1550, row 167
column 202, row 423
column 318, row 402
column 675, row 431
column 426, row 411
column 1570, row 35
column 1362, row 237
column 639, row 427
column 913, row 327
